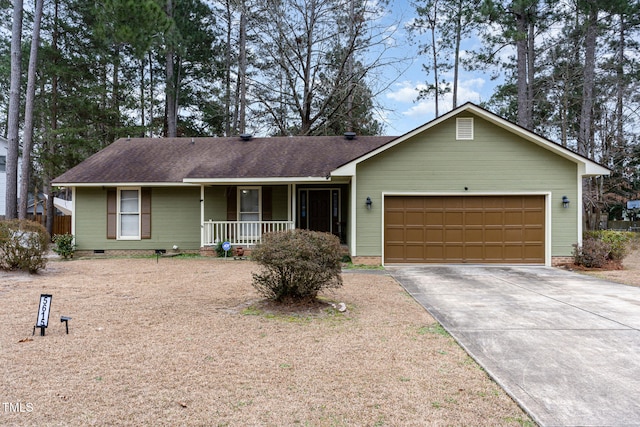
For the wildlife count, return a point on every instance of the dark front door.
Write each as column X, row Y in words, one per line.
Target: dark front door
column 320, row 210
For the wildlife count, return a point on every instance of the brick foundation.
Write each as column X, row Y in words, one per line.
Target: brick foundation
column 366, row 260
column 557, row 261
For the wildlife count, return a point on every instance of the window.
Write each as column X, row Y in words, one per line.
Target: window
column 249, row 210
column 128, row 214
column 3, row 163
column 464, row 128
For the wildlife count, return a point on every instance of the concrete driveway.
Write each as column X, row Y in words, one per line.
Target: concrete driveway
column 565, row 346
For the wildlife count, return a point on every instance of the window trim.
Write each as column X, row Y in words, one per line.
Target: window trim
column 239, row 201
column 119, row 213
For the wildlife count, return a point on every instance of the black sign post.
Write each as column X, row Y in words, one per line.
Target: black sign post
column 43, row 313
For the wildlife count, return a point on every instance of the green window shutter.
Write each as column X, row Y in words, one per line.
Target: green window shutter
column 267, row 204
column 232, row 203
column 112, row 213
column 145, row 212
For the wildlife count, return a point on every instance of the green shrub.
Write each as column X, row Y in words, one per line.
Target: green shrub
column 297, row 264
column 64, row 245
column 23, row 245
column 221, row 252
column 592, row 254
column 620, row 242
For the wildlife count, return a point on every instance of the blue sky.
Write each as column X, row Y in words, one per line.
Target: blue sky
column 402, row 112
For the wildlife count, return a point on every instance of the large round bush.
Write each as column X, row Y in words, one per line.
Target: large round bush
column 23, row 245
column 297, row 264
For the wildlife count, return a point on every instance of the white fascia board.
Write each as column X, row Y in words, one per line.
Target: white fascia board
column 120, row 184
column 320, row 179
column 589, row 167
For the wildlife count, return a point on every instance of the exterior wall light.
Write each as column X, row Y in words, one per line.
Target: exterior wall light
column 368, row 203
column 565, row 202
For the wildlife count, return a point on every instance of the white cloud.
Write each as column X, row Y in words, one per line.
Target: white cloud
column 405, row 91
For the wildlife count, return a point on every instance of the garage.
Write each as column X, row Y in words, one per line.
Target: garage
column 464, row 229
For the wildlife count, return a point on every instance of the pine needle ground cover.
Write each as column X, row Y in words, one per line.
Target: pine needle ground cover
column 180, row 341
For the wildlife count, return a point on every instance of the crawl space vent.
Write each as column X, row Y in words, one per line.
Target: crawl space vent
column 464, row 128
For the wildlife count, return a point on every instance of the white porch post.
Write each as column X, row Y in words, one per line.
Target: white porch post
column 73, row 213
column 292, row 204
column 352, row 211
column 201, row 215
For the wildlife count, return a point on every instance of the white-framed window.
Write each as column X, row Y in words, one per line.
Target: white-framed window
column 128, row 213
column 464, row 128
column 3, row 163
column 249, row 210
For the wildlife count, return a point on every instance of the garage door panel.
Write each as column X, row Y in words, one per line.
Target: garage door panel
column 493, row 217
column 414, row 218
column 434, row 218
column 475, row 235
column 474, row 218
column 533, row 217
column 394, row 217
column 454, row 218
column 465, row 229
column 395, row 235
column 414, row 234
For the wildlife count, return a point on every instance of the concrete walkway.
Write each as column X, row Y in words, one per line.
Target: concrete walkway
column 565, row 346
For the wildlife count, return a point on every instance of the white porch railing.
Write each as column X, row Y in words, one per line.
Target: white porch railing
column 241, row 232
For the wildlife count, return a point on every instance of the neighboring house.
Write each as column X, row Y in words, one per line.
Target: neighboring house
column 468, row 186
column 4, row 144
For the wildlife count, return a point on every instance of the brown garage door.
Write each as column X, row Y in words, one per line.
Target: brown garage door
column 473, row 229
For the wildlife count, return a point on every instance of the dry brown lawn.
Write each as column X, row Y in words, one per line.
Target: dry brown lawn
column 188, row 341
column 628, row 275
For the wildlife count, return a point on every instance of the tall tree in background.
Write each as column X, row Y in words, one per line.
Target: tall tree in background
column 28, row 113
column 448, row 23
column 13, row 125
column 429, row 20
column 299, row 36
column 519, row 21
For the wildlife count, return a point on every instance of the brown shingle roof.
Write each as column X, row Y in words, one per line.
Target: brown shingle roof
column 171, row 160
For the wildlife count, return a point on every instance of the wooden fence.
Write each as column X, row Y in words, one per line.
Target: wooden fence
column 61, row 223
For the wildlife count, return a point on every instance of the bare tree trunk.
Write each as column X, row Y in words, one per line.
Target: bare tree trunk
column 170, row 90
column 524, row 116
column 28, row 113
column 584, row 136
column 151, row 103
column 242, row 70
column 142, row 101
column 434, row 52
column 14, row 113
column 227, row 74
column 456, row 54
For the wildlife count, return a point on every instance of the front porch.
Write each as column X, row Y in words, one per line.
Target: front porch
column 241, row 233
column 242, row 215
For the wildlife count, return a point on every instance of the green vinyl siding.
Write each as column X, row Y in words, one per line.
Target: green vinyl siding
column 215, row 203
column 495, row 161
column 175, row 217
column 175, row 220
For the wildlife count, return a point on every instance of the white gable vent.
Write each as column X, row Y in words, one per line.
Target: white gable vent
column 464, row 128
